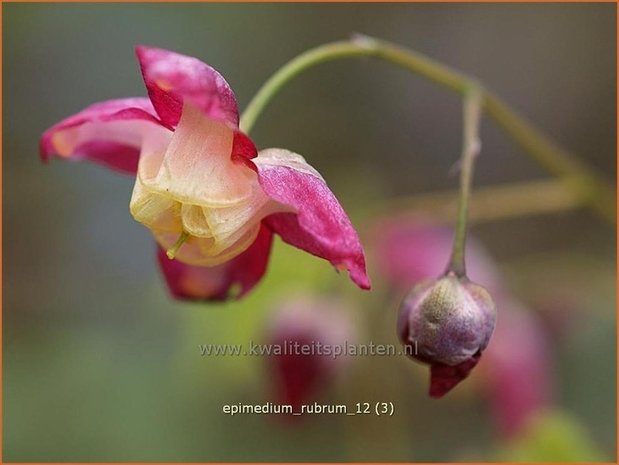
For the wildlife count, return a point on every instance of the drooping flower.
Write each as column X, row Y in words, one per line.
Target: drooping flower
column 211, row 200
column 311, row 333
column 516, row 368
column 447, row 323
column 411, row 250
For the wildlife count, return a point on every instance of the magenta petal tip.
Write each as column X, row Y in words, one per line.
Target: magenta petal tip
column 173, row 79
column 443, row 378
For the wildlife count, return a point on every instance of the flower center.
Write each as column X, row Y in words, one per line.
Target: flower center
column 192, row 189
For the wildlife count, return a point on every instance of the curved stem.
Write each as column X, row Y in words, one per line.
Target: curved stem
column 470, row 149
column 293, row 68
column 576, row 175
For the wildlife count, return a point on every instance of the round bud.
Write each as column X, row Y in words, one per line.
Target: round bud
column 447, row 323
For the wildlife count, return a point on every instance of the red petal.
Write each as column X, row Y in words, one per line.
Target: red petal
column 189, row 282
column 243, row 146
column 443, row 378
column 299, row 378
column 97, row 133
column 320, row 226
column 172, row 78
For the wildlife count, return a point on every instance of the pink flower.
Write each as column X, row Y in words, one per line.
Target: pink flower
column 310, row 333
column 210, row 199
column 516, row 367
column 412, row 250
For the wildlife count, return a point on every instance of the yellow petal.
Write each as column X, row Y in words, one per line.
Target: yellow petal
column 197, row 167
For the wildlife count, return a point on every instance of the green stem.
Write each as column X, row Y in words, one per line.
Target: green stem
column 577, row 176
column 293, row 68
column 470, row 148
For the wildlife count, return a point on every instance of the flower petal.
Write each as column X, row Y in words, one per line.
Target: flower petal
column 320, row 225
column 172, row 78
column 443, row 378
column 243, row 147
column 111, row 133
column 189, row 282
column 300, row 378
column 196, row 167
column 206, row 251
column 195, row 186
column 520, row 351
column 411, row 249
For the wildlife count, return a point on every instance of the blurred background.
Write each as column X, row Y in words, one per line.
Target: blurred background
column 100, row 364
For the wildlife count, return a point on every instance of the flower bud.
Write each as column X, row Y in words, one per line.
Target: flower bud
column 447, row 323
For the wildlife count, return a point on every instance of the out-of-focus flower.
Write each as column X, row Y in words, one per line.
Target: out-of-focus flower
column 412, row 250
column 309, row 333
column 517, row 366
column 210, row 199
column 447, row 323
column 559, row 311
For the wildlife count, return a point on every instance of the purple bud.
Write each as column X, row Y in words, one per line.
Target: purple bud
column 447, row 323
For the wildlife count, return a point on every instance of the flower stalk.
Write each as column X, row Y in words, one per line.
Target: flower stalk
column 470, row 149
column 576, row 175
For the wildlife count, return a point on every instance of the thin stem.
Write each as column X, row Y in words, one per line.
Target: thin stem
column 358, row 46
column 577, row 176
column 585, row 182
column 293, row 68
column 470, row 149
column 172, row 251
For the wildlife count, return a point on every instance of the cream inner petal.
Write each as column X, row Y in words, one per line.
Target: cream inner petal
column 283, row 157
column 194, row 186
column 197, row 167
column 200, row 251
